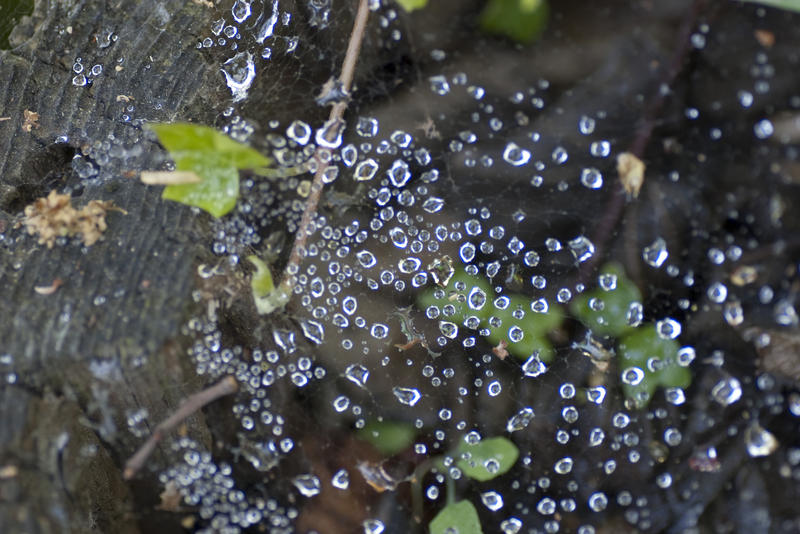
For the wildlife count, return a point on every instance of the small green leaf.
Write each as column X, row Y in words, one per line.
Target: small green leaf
column 411, row 5
column 489, row 458
column 213, row 156
column 657, row 358
column 460, row 517
column 266, row 296
column 790, row 5
column 179, row 137
column 389, row 437
column 521, row 20
column 534, row 326
column 216, row 194
column 612, row 319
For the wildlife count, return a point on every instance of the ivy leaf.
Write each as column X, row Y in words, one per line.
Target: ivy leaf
column 411, row 5
column 521, row 20
column 458, row 517
column 214, row 157
column 489, row 458
column 534, row 327
column 389, row 437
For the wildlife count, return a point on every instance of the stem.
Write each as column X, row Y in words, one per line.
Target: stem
column 337, row 112
column 195, row 402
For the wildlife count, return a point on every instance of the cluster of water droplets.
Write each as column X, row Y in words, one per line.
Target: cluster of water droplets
column 479, row 212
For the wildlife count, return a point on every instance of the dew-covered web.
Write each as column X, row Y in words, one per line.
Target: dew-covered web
column 481, row 267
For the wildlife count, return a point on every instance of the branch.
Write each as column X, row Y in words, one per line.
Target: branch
column 195, row 402
column 346, row 79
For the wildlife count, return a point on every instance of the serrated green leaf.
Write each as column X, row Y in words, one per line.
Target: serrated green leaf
column 411, row 5
column 489, row 458
column 612, row 320
column 521, row 20
column 389, row 437
column 460, row 517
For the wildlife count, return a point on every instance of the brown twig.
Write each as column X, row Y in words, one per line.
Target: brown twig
column 604, row 229
column 337, row 112
column 224, row 387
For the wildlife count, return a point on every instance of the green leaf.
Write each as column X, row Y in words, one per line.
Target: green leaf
column 790, row 5
column 534, row 327
column 389, row 437
column 216, row 194
column 179, row 137
column 460, row 517
column 657, row 357
column 213, row 156
column 411, row 5
column 521, row 20
column 266, row 296
column 489, row 458
column 612, row 319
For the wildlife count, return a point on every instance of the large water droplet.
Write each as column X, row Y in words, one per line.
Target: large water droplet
column 408, row 396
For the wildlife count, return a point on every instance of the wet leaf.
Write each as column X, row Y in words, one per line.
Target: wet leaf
column 607, row 312
column 389, row 437
column 213, row 156
column 521, row 20
column 411, row 5
column 458, row 517
column 266, row 296
column 656, row 357
column 489, row 458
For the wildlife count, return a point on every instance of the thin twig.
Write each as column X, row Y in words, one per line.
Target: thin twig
column 195, row 402
column 337, row 112
column 615, row 207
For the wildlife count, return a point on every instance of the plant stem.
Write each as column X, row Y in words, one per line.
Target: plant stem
column 224, row 387
column 337, row 112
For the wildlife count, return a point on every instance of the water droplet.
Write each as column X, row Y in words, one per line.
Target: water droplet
column 239, row 72
column 563, row 466
column 408, row 396
column 399, row 173
column 515, row 155
column 341, row 480
column 581, row 248
column 299, row 132
column 439, row 85
column 764, row 129
column 632, row 376
column 373, row 526
column 307, row 485
column 520, row 420
column 656, row 253
column 240, row 10
column 586, row 125
column 534, row 367
column 358, row 374
column 598, row 501
column 366, row 259
column 313, row 331
column 492, row 500
column 668, row 328
column 433, row 204
column 592, row 178
column 727, row 391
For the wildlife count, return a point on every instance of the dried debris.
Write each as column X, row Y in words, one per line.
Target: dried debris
column 49, row 290
column 53, row 216
column 631, row 173
column 30, row 120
